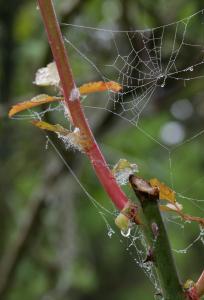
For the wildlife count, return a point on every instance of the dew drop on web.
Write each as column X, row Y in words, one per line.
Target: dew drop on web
column 126, row 232
column 110, row 232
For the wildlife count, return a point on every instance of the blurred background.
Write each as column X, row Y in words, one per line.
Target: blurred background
column 54, row 242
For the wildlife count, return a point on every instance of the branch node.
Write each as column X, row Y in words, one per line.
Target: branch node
column 143, row 189
column 128, row 216
column 74, row 94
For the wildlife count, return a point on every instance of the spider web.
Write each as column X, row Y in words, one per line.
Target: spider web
column 147, row 61
column 133, row 239
column 144, row 63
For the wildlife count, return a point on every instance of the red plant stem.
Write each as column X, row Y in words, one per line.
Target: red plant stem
column 72, row 100
column 200, row 285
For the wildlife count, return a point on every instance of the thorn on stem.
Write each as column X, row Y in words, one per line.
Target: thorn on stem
column 150, row 256
column 74, row 95
column 155, row 229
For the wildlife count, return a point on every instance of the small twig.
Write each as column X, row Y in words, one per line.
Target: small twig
column 156, row 235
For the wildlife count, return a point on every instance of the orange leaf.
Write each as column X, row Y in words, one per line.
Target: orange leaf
column 165, row 192
column 50, row 127
column 86, row 88
column 99, row 86
column 38, row 100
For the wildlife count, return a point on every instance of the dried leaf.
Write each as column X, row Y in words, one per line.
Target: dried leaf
column 190, row 218
column 74, row 140
column 165, row 192
column 122, row 170
column 38, row 100
column 171, row 207
column 47, row 76
column 87, row 88
column 99, row 86
column 57, row 128
column 177, row 208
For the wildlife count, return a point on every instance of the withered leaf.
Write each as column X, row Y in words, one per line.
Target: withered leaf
column 165, row 192
column 36, row 101
column 57, row 128
column 99, row 86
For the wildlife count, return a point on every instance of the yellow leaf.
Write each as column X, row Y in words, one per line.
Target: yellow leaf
column 86, row 88
column 36, row 101
column 99, row 86
column 165, row 192
column 124, row 164
column 122, row 170
column 72, row 139
column 50, row 127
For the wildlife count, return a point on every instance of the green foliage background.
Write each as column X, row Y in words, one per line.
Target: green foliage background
column 67, row 253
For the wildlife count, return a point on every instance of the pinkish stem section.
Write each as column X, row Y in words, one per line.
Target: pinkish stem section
column 200, row 285
column 106, row 177
column 68, row 85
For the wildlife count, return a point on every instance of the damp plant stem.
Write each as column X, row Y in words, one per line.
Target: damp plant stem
column 159, row 252
column 72, row 100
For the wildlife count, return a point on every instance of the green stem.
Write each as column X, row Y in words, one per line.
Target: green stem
column 156, row 235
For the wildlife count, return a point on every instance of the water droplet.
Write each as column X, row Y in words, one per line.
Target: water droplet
column 47, row 144
column 189, row 69
column 163, row 78
column 126, row 233
column 110, row 232
column 183, row 251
